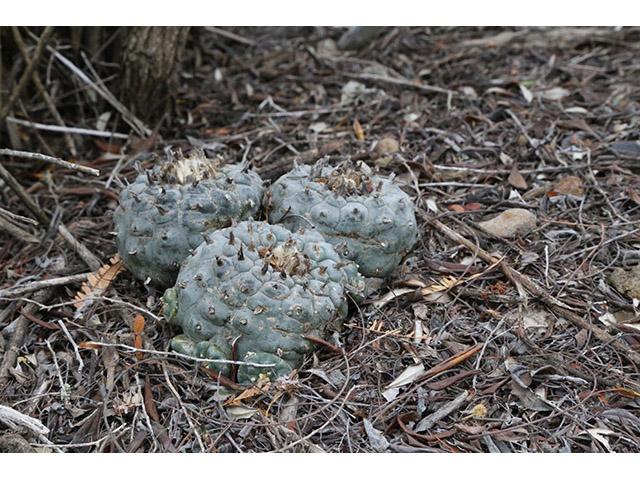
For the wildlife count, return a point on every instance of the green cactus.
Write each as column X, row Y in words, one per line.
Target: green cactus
column 163, row 214
column 262, row 289
column 367, row 218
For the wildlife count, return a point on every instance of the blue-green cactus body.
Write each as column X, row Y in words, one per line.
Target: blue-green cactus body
column 163, row 214
column 262, row 289
column 367, row 218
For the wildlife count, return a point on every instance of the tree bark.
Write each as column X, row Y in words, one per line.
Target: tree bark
column 151, row 64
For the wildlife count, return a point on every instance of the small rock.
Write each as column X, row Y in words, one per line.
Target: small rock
column 327, row 48
column 384, row 150
column 386, row 146
column 356, row 92
column 515, row 221
column 13, row 443
column 357, row 37
column 626, row 282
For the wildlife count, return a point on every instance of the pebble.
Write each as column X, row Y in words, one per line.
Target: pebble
column 384, row 150
column 327, row 48
column 626, row 282
column 512, row 222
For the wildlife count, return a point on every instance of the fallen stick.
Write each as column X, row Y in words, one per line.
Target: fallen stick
column 19, row 218
column 450, row 362
column 230, row 36
column 65, row 129
column 20, row 290
column 89, row 258
column 16, row 187
column 398, row 81
column 429, row 421
column 17, row 232
column 49, row 159
column 11, row 416
column 127, row 116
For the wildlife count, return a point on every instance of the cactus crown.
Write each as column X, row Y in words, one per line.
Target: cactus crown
column 349, row 179
column 287, row 258
column 192, row 168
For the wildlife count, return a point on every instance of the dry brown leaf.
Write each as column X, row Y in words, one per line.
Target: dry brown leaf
column 98, row 283
column 357, row 128
column 627, row 392
column 138, row 324
column 516, row 179
column 248, row 393
column 439, row 286
column 570, row 185
column 473, row 207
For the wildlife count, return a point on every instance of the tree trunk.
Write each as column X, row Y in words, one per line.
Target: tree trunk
column 151, row 62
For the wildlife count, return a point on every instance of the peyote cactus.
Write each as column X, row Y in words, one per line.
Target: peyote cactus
column 163, row 214
column 367, row 218
column 264, row 288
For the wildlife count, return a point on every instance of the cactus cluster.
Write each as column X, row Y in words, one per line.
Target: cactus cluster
column 251, row 291
column 259, row 290
column 164, row 212
column 367, row 218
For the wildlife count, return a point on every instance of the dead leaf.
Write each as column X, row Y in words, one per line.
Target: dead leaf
column 577, row 124
column 516, row 179
column 377, row 441
column 128, row 401
column 627, row 392
column 240, row 412
column 248, row 393
column 357, row 128
column 526, row 93
column 473, row 207
column 570, row 185
column 407, row 376
column 506, row 159
column 633, row 195
column 598, row 434
column 555, row 93
column 529, row 399
column 138, row 324
column 149, row 404
column 456, row 208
